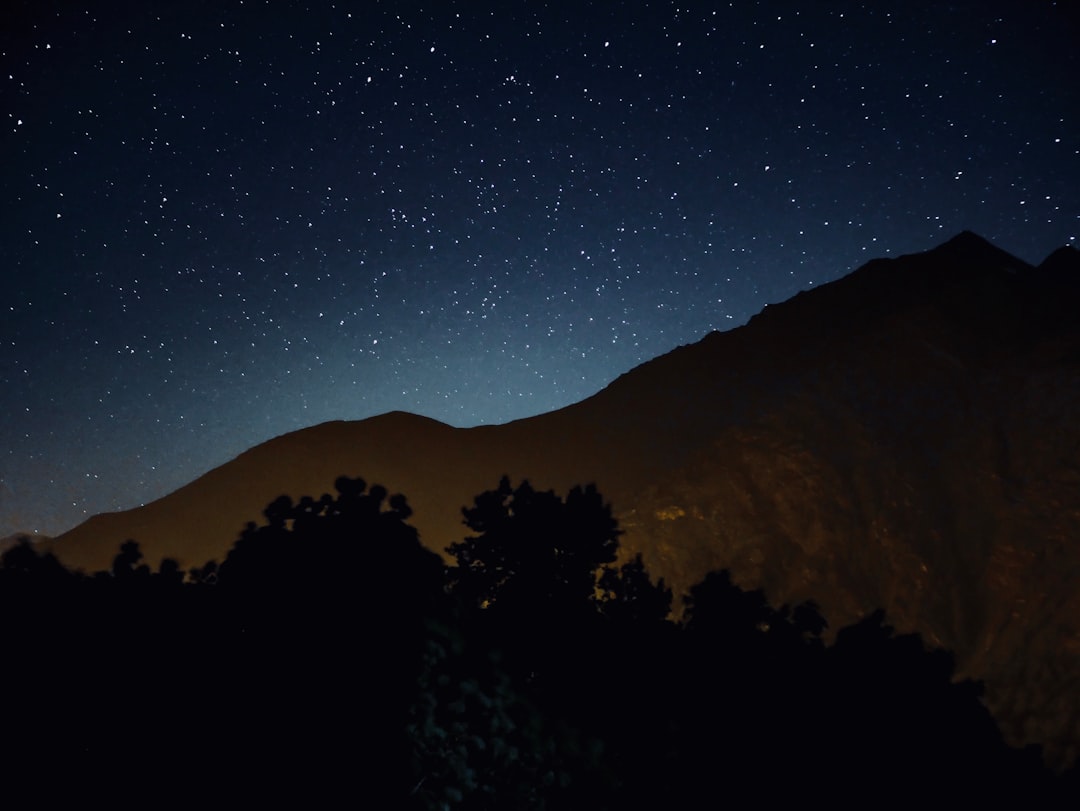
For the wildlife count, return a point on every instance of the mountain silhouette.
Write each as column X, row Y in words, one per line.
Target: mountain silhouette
column 903, row 438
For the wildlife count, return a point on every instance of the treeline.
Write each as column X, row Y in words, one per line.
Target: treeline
column 331, row 658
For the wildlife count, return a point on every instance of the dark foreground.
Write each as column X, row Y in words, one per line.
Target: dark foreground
column 332, row 659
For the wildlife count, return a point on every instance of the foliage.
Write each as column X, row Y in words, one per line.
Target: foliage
column 533, row 550
column 477, row 740
column 628, row 595
column 353, row 549
column 322, row 661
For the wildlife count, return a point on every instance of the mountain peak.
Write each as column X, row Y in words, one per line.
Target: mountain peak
column 943, row 276
column 969, row 247
column 1065, row 259
column 969, row 240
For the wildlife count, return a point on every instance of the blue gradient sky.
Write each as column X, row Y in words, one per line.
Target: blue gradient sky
column 225, row 221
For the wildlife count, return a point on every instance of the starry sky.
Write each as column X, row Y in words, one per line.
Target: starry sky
column 227, row 220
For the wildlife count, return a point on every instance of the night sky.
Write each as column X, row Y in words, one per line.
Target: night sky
column 225, row 221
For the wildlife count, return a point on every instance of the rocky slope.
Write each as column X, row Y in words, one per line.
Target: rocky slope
column 906, row 437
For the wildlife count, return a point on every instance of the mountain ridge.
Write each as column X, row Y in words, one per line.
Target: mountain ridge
column 903, row 437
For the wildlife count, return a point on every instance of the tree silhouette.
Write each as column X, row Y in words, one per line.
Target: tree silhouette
column 126, row 563
column 327, row 603
column 629, row 596
column 898, row 706
column 477, row 740
column 579, row 638
column 23, row 562
column 354, row 548
column 534, row 552
column 719, row 608
column 320, row 661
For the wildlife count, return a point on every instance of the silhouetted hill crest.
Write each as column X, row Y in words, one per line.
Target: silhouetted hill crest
column 882, row 289
column 1065, row 260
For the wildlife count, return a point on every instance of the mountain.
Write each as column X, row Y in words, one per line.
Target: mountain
column 905, row 437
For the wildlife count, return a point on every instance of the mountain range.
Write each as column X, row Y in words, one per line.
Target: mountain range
column 906, row 437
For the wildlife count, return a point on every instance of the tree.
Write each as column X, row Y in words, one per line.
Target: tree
column 719, row 609
column 325, row 607
column 534, row 551
column 476, row 739
column 628, row 595
column 355, row 546
column 23, row 561
column 127, row 562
